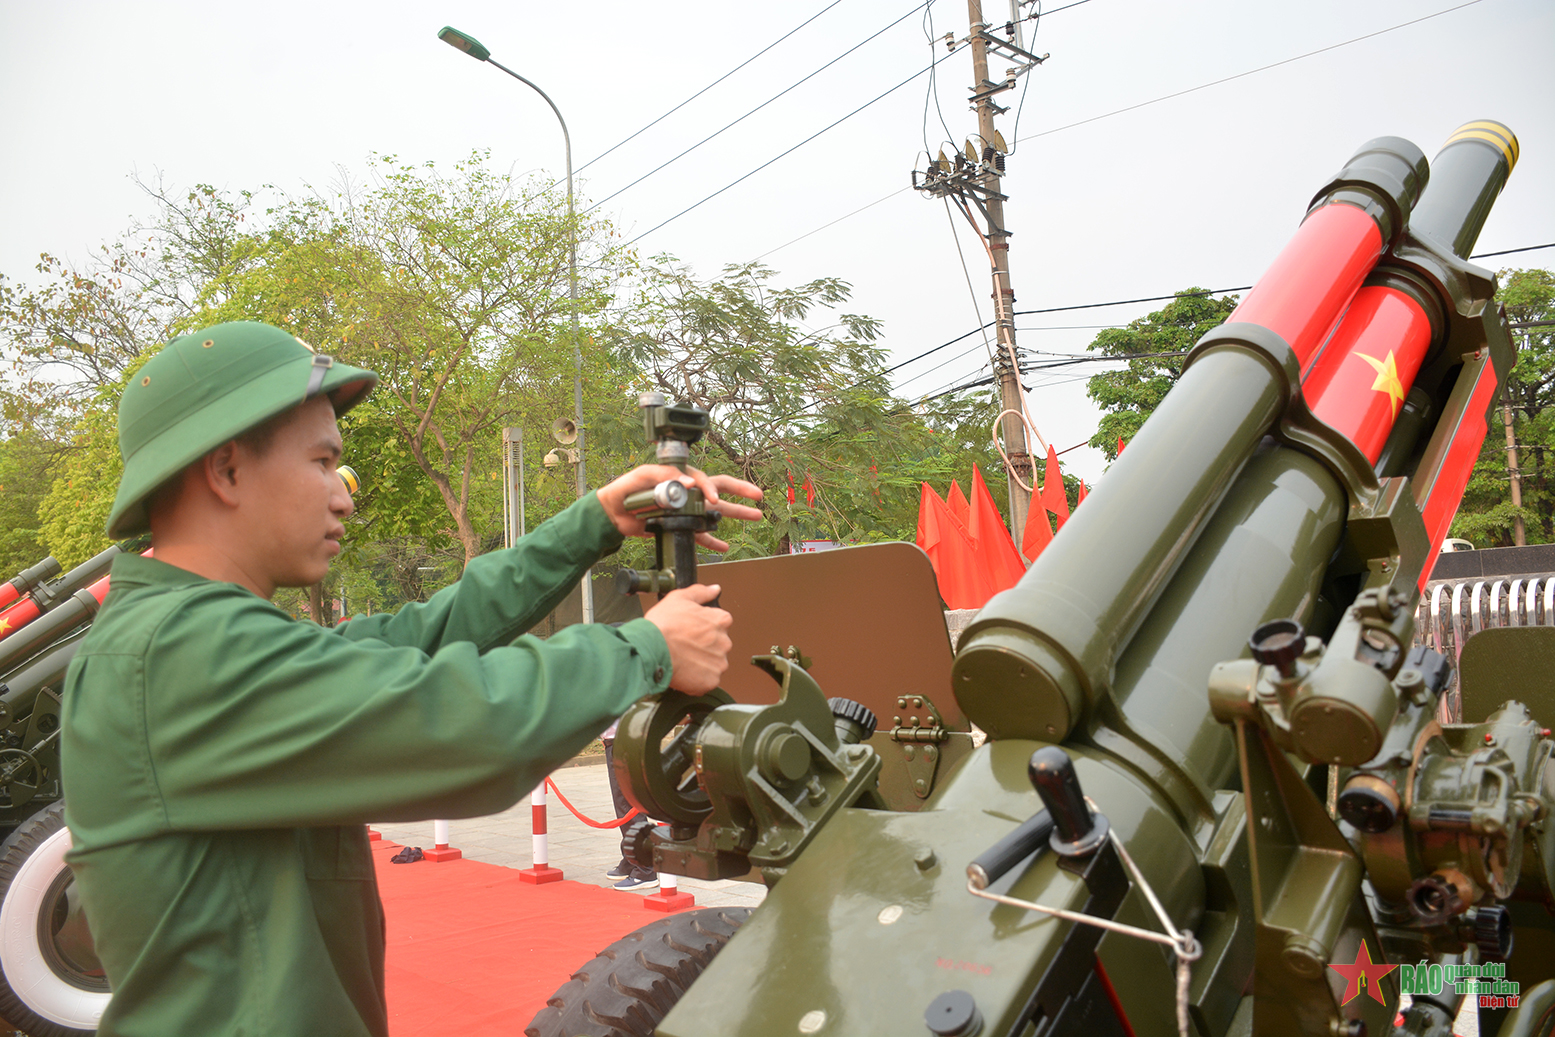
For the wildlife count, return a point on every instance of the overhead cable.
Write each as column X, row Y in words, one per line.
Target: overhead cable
column 709, row 86
column 1142, row 104
column 1249, row 72
column 790, row 151
column 754, row 110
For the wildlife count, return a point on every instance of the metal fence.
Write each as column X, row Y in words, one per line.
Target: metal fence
column 1452, row 611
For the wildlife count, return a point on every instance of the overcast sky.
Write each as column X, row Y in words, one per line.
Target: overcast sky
column 1202, row 188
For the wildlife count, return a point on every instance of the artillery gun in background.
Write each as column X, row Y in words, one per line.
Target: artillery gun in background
column 1215, row 767
column 51, row 983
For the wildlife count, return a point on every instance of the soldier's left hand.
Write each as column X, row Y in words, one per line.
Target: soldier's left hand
column 613, row 497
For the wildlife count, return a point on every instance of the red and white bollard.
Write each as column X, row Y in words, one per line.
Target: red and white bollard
column 669, row 897
column 440, row 850
column 542, row 872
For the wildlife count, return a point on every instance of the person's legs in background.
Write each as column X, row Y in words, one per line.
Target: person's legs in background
column 631, row 876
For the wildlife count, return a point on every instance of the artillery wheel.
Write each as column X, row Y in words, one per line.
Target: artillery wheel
column 51, row 984
column 629, row 988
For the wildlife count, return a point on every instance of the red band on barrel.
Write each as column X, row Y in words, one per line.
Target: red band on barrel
column 8, row 594
column 18, row 616
column 1358, row 383
column 1303, row 292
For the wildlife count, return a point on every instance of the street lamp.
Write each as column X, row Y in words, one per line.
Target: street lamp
column 475, row 49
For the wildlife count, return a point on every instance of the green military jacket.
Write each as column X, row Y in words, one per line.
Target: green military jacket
column 220, row 760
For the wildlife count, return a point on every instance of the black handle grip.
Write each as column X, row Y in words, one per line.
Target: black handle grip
column 1078, row 830
column 1030, row 837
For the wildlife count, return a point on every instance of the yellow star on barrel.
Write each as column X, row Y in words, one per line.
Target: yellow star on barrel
column 1387, row 378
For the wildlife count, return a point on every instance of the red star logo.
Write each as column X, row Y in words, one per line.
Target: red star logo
column 1363, row 971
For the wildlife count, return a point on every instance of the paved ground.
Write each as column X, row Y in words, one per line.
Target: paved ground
column 582, row 853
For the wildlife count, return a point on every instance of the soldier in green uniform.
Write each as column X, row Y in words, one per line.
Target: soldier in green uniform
column 220, row 758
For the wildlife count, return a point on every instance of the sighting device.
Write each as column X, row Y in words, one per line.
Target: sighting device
column 671, row 510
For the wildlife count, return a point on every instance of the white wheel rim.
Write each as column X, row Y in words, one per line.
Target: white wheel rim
column 26, row 970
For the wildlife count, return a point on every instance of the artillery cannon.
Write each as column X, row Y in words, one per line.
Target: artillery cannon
column 1220, row 792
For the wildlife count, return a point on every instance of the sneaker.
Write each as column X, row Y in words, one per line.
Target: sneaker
column 620, row 871
column 638, row 880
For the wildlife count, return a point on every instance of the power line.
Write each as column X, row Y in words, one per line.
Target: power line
column 1143, row 104
column 1240, row 75
column 709, row 86
column 1509, row 251
column 790, row 151
column 756, row 109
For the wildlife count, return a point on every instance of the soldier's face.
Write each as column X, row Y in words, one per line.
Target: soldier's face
column 294, row 504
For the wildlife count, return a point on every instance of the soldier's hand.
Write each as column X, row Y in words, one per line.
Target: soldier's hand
column 613, row 497
column 698, row 637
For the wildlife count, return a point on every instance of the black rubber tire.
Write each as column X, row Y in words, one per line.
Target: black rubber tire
column 633, row 983
column 66, row 988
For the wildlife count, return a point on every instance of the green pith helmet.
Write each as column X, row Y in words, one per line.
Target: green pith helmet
column 209, row 387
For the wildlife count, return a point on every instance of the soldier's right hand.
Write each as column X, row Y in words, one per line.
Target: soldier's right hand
column 698, row 637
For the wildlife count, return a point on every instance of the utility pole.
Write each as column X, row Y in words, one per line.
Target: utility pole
column 976, row 176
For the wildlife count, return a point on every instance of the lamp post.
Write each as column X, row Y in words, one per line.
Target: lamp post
column 475, row 49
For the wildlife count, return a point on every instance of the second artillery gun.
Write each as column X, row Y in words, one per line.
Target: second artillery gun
column 1220, row 792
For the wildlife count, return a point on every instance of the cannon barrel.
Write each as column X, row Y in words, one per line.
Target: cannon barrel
column 43, row 598
column 58, row 621
column 20, row 688
column 27, row 579
column 1040, row 655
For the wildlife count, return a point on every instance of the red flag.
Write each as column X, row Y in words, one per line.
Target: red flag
column 1053, row 497
column 991, row 539
column 962, row 579
column 1120, row 445
column 957, row 502
column 790, row 488
column 809, row 491
column 1081, row 498
column 1039, row 532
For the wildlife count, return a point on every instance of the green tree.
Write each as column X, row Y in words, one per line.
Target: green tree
column 1154, row 348
column 797, row 393
column 26, row 466
column 1487, row 517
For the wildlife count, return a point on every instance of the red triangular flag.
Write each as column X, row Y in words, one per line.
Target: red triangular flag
column 1120, row 444
column 1038, row 533
column 809, row 491
column 790, row 489
column 1053, row 496
column 957, row 570
column 992, row 540
column 957, row 502
column 1081, row 497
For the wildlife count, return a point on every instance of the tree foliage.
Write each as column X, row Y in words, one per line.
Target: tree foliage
column 799, row 402
column 452, row 285
column 1487, row 517
column 1153, row 348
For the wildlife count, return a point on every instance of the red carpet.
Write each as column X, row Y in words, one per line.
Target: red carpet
column 474, row 951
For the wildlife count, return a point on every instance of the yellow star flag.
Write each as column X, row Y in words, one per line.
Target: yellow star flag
column 1387, row 378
